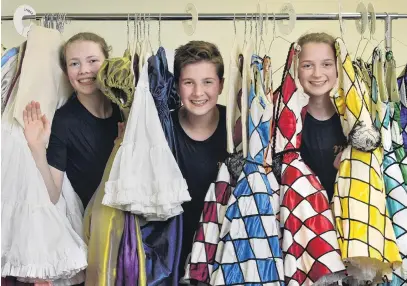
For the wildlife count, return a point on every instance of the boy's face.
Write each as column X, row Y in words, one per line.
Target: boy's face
column 199, row 87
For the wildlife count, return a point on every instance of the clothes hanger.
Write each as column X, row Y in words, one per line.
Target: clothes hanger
column 159, row 31
column 50, row 21
column 259, row 30
column 142, row 34
column 372, row 28
column 262, row 44
column 266, row 23
column 251, row 27
column 55, row 21
column 47, row 21
column 61, row 22
column 234, row 25
column 148, row 33
column 139, row 33
column 274, row 35
column 397, row 40
column 143, row 23
column 273, row 40
column 256, row 33
column 361, row 24
column 401, row 43
column 128, row 32
column 245, row 31
column 44, row 20
column 405, row 45
column 135, row 34
column 341, row 24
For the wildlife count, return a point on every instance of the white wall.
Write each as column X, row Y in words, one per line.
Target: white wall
column 221, row 33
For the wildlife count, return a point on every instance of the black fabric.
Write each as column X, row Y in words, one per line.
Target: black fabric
column 81, row 144
column 199, row 164
column 321, row 142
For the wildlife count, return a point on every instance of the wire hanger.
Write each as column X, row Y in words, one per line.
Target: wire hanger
column 273, row 40
column 362, row 37
column 159, row 31
column 45, row 21
column 251, row 27
column 372, row 29
column 62, row 22
column 399, row 41
column 341, row 24
column 128, row 31
column 140, row 31
column 42, row 21
column 135, row 35
column 54, row 21
column 245, row 31
column 234, row 25
column 361, row 24
column 144, row 26
column 256, row 42
column 403, row 44
column 148, row 33
column 266, row 24
column 274, row 35
column 262, row 44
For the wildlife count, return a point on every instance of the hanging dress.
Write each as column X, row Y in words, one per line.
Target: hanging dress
column 310, row 247
column 106, row 228
column 402, row 83
column 40, row 245
column 8, row 71
column 366, row 237
column 5, row 57
column 205, row 243
column 145, row 178
column 115, row 252
column 249, row 251
column 396, row 189
column 163, row 239
column 395, row 109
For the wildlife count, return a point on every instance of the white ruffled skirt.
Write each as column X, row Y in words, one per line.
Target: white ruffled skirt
column 145, row 178
column 39, row 240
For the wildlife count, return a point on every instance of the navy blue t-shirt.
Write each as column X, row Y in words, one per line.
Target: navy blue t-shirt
column 321, row 142
column 80, row 145
column 199, row 164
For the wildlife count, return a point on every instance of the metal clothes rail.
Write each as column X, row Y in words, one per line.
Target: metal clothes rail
column 387, row 17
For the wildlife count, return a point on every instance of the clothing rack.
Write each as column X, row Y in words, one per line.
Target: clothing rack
column 387, row 17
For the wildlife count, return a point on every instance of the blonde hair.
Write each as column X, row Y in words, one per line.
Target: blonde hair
column 317, row 38
column 197, row 51
column 86, row 36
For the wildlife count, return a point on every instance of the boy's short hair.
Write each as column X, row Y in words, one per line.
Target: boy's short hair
column 194, row 52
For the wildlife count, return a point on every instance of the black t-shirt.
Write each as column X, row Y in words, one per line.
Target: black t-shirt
column 80, row 144
column 198, row 162
column 321, row 142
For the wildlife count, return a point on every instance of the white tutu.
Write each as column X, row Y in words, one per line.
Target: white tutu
column 38, row 241
column 145, row 178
